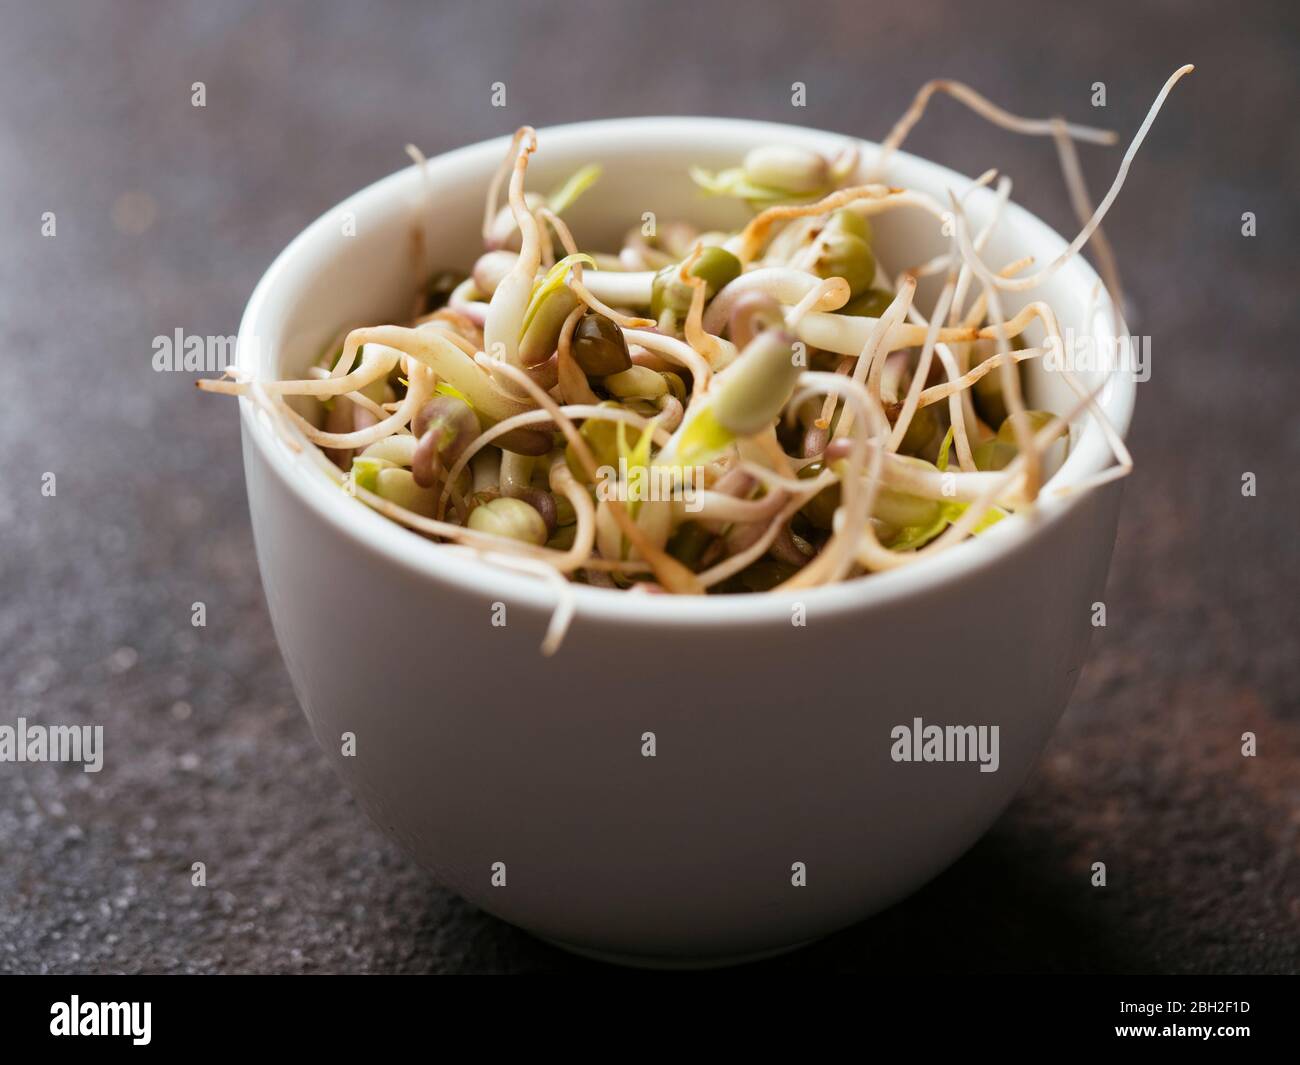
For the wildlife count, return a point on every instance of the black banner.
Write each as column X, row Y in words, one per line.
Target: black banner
column 232, row 1014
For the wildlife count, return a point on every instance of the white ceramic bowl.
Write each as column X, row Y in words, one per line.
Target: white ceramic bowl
column 773, row 741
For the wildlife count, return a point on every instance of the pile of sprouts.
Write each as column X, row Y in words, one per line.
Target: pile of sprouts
column 711, row 412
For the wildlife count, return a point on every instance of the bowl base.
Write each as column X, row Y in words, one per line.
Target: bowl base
column 685, row 963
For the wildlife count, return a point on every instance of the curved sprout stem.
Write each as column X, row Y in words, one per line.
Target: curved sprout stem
column 420, row 391
column 923, row 364
column 505, row 314
column 561, row 229
column 696, row 336
column 623, row 288
column 1025, row 283
column 783, row 283
column 983, row 107
column 579, row 288
column 420, row 234
column 754, row 235
column 957, row 386
column 674, row 350
column 857, row 499
column 1077, row 187
column 498, row 179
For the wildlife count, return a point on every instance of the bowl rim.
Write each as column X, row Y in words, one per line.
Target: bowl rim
column 458, row 567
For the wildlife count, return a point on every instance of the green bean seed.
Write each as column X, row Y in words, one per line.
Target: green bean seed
column 1035, row 420
column 820, row 510
column 717, row 266
column 563, row 538
column 511, row 518
column 689, row 543
column 761, row 576
column 636, row 382
column 844, row 255
column 675, row 385
column 751, row 393
column 904, row 510
column 453, row 423
column 525, row 441
column 993, row 454
column 542, row 336
column 871, row 304
column 852, row 223
column 785, row 167
column 990, row 404
column 599, row 347
column 1055, row 452
column 366, row 470
column 544, row 503
column 921, row 431
column 996, row 453
column 564, row 512
column 601, row 436
column 398, row 486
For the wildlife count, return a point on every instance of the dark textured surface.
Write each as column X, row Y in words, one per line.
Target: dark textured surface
column 209, row 758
